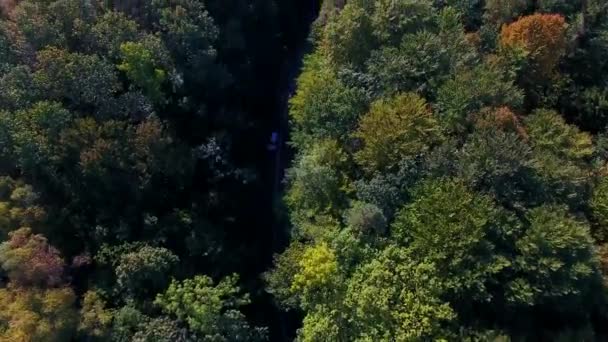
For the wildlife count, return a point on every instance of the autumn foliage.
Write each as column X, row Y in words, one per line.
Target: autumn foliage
column 30, row 261
column 542, row 36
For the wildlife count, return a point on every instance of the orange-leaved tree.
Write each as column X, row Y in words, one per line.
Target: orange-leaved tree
column 541, row 36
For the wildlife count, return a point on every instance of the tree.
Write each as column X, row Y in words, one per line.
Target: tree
column 83, row 81
column 599, row 210
column 19, row 207
column 457, row 230
column 161, row 330
column 562, row 154
column 420, row 60
column 190, row 34
column 366, row 219
column 37, row 315
column 499, row 12
column 394, row 129
column 316, row 275
column 142, row 69
column 29, row 260
column 111, row 30
column 542, row 36
column 556, row 255
column 560, row 6
column 146, row 267
column 95, row 318
column 397, row 298
column 319, row 186
column 347, row 38
column 500, row 163
column 323, row 106
column 470, row 90
column 34, row 23
column 33, row 136
column 211, row 311
column 391, row 20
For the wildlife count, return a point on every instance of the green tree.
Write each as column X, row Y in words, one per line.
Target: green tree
column 210, row 310
column 19, row 207
column 556, row 255
column 323, row 107
column 500, row 163
column 111, row 30
column 499, row 12
column 397, row 298
column 366, row 219
column 142, row 69
column 394, row 129
column 80, row 80
column 443, row 209
column 424, row 59
column 391, row 20
column 348, row 39
column 562, row 154
column 470, row 90
column 599, row 210
column 319, row 186
column 145, row 271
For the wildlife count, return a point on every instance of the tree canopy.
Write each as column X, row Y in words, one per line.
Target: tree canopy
column 468, row 201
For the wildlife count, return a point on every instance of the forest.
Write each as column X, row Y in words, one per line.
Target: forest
column 282, row 170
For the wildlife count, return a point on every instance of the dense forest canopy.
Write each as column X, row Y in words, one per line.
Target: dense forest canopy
column 450, row 178
column 134, row 176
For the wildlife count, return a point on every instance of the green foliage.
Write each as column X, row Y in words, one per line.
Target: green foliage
column 561, row 154
column 323, row 107
column 567, row 7
column 421, row 59
column 37, row 25
column 442, row 210
column 82, row 80
column 319, row 186
column 190, row 34
column 396, row 298
column 211, row 311
column 391, row 20
column 18, row 88
column 145, row 271
column 472, row 89
column 111, row 30
column 160, row 330
column 127, row 322
column 393, row 129
column 500, row 163
column 556, row 254
column 485, row 189
column 317, row 271
column 499, row 12
column 34, row 135
column 19, row 207
column 599, row 209
column 279, row 279
column 348, row 37
column 366, row 219
column 551, row 134
column 140, row 66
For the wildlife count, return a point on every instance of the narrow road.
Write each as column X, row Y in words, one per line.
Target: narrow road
column 289, row 72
